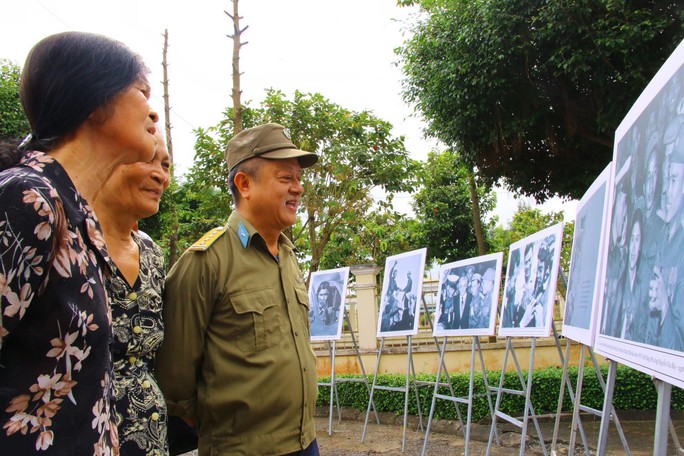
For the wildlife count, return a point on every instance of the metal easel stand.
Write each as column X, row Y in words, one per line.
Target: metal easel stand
column 526, row 392
column 574, row 399
column 663, row 421
column 678, row 445
column 410, row 382
column 599, row 413
column 456, row 400
column 442, row 368
column 608, row 412
column 334, row 395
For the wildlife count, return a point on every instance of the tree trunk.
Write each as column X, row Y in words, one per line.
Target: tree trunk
column 477, row 222
column 236, row 92
column 173, row 237
column 167, row 106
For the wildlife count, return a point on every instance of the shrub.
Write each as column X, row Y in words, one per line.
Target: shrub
column 633, row 391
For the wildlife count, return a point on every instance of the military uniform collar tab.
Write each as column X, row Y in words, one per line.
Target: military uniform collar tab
column 244, row 230
column 243, row 234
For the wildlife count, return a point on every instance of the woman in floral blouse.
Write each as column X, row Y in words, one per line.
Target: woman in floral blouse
column 86, row 100
column 135, row 289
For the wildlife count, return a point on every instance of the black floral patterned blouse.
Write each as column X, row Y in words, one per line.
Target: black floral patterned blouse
column 55, row 363
column 138, row 333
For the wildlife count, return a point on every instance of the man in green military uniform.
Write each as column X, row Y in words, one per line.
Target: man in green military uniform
column 236, row 358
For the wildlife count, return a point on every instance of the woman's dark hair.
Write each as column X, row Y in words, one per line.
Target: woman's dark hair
column 66, row 77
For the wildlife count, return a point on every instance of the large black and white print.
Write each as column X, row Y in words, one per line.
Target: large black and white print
column 530, row 289
column 402, row 288
column 467, row 296
column 642, row 321
column 327, row 290
column 587, row 261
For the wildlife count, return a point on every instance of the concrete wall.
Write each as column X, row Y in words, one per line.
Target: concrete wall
column 457, row 358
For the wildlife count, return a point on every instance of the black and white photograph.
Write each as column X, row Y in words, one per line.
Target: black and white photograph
column 530, row 287
column 327, row 291
column 641, row 322
column 402, row 287
column 467, row 296
column 587, row 261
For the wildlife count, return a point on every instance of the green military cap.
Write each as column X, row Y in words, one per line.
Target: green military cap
column 268, row 141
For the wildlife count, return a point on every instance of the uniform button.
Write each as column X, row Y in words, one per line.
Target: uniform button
column 155, row 416
column 296, row 333
column 132, row 359
column 305, row 369
column 137, row 329
column 133, row 296
column 146, row 384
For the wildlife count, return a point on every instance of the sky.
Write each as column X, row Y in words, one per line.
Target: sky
column 342, row 50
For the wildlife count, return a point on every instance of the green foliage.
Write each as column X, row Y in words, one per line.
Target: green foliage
column 195, row 209
column 527, row 221
column 378, row 235
column 13, row 123
column 531, row 91
column 444, row 209
column 358, row 153
column 633, row 391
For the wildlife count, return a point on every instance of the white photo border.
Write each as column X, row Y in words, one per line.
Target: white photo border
column 412, row 262
column 484, row 262
column 315, row 281
column 597, row 252
column 663, row 363
column 549, row 293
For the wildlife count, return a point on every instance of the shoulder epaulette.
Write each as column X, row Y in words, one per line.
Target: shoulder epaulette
column 209, row 237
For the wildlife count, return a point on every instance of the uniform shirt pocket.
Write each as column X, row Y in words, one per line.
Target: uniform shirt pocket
column 256, row 325
column 303, row 300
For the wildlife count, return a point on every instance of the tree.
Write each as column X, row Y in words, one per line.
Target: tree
column 527, row 221
column 172, row 215
column 443, row 208
column 236, row 93
column 358, row 154
column 13, row 123
column 188, row 211
column 531, row 91
column 370, row 239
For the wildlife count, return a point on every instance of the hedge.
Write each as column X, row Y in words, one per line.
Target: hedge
column 633, row 391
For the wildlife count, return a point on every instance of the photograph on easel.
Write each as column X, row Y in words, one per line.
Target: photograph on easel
column 327, row 291
column 530, row 287
column 467, row 296
column 641, row 320
column 587, row 261
column 402, row 288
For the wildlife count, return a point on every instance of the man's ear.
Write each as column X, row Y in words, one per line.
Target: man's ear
column 243, row 183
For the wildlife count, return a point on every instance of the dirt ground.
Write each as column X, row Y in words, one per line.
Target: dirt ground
column 386, row 438
column 447, row 438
